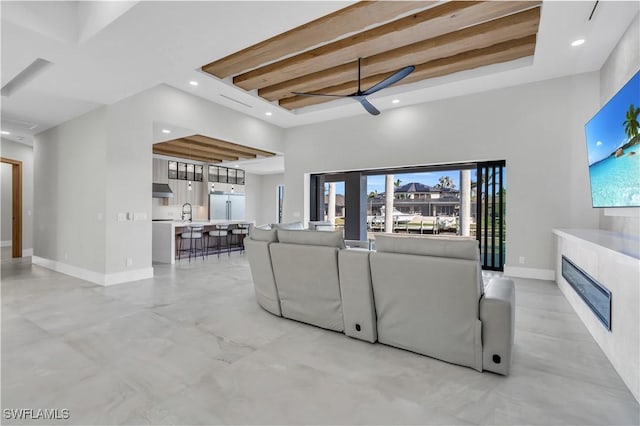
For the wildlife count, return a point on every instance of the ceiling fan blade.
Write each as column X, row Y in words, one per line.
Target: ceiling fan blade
column 320, row 94
column 392, row 79
column 367, row 105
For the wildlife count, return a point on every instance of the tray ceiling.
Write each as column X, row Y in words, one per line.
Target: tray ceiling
column 206, row 149
column 438, row 38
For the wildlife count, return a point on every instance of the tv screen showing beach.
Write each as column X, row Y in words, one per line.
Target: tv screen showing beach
column 613, row 147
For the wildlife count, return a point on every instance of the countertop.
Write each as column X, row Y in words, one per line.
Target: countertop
column 628, row 245
column 182, row 223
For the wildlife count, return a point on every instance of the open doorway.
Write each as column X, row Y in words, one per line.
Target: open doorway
column 15, row 212
column 451, row 200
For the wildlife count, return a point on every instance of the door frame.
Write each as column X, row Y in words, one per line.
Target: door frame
column 16, row 205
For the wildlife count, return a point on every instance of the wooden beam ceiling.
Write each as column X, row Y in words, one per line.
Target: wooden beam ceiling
column 429, row 23
column 502, row 52
column 439, row 38
column 206, row 149
column 492, row 32
column 335, row 25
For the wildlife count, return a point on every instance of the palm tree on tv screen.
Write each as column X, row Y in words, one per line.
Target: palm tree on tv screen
column 631, row 124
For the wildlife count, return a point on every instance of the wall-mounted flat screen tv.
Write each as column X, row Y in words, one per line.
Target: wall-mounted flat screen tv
column 613, row 148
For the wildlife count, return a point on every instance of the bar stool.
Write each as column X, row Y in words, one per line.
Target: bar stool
column 240, row 232
column 194, row 233
column 219, row 232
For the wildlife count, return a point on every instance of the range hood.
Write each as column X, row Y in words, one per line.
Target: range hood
column 162, row 190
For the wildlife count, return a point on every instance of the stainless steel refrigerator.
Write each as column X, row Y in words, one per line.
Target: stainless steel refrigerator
column 226, row 206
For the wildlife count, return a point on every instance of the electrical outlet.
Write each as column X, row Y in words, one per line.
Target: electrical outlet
column 521, row 260
column 66, row 256
column 129, row 261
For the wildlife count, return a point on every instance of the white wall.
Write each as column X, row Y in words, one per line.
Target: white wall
column 268, row 212
column 102, row 163
column 24, row 153
column 622, row 64
column 537, row 128
column 5, row 206
column 69, row 197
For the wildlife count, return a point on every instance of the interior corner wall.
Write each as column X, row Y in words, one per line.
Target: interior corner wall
column 537, row 128
column 622, row 64
column 24, row 153
column 69, row 194
column 252, row 196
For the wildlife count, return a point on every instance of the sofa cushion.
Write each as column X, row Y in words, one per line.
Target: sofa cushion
column 291, row 225
column 457, row 248
column 314, row 238
column 270, row 235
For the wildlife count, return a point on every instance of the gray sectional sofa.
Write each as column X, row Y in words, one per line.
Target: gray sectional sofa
column 422, row 294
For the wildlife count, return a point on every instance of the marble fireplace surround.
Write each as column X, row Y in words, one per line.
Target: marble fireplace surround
column 612, row 259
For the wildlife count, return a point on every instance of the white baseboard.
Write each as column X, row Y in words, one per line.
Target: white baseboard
column 5, row 243
column 532, row 273
column 128, row 276
column 27, row 252
column 92, row 276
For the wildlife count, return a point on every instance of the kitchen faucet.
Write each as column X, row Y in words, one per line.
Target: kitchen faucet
column 187, row 212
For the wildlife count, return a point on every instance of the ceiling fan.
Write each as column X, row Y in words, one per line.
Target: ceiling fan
column 361, row 96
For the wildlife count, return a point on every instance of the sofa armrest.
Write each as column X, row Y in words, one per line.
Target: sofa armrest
column 358, row 309
column 497, row 313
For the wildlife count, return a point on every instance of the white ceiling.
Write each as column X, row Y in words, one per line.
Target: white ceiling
column 105, row 51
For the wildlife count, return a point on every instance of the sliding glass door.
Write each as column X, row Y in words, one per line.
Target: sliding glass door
column 491, row 209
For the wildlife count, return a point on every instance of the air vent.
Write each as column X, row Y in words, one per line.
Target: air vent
column 25, row 76
column 18, row 124
column 236, row 101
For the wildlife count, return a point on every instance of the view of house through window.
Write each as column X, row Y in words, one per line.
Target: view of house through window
column 425, row 200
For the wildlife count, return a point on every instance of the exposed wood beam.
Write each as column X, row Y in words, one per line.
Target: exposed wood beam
column 203, row 148
column 228, row 145
column 502, row 52
column 432, row 22
column 330, row 27
column 190, row 150
column 479, row 36
column 179, row 154
column 211, row 146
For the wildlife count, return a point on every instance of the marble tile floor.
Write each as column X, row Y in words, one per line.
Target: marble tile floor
column 191, row 346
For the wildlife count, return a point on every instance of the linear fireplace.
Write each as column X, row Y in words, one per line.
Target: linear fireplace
column 595, row 295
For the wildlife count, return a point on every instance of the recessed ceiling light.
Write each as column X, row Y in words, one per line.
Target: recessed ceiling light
column 4, row 132
column 167, row 131
column 268, row 113
column 577, row 42
column 395, row 101
column 236, row 166
column 193, row 83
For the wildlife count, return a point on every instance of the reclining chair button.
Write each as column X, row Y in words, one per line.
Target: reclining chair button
column 357, row 327
column 496, row 359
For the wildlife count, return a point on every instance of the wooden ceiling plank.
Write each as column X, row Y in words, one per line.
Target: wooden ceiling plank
column 229, row 145
column 202, row 147
column 330, row 27
column 191, row 151
column 432, row 22
column 502, row 52
column 170, row 153
column 476, row 37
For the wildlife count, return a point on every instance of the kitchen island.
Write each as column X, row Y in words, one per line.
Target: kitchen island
column 165, row 236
